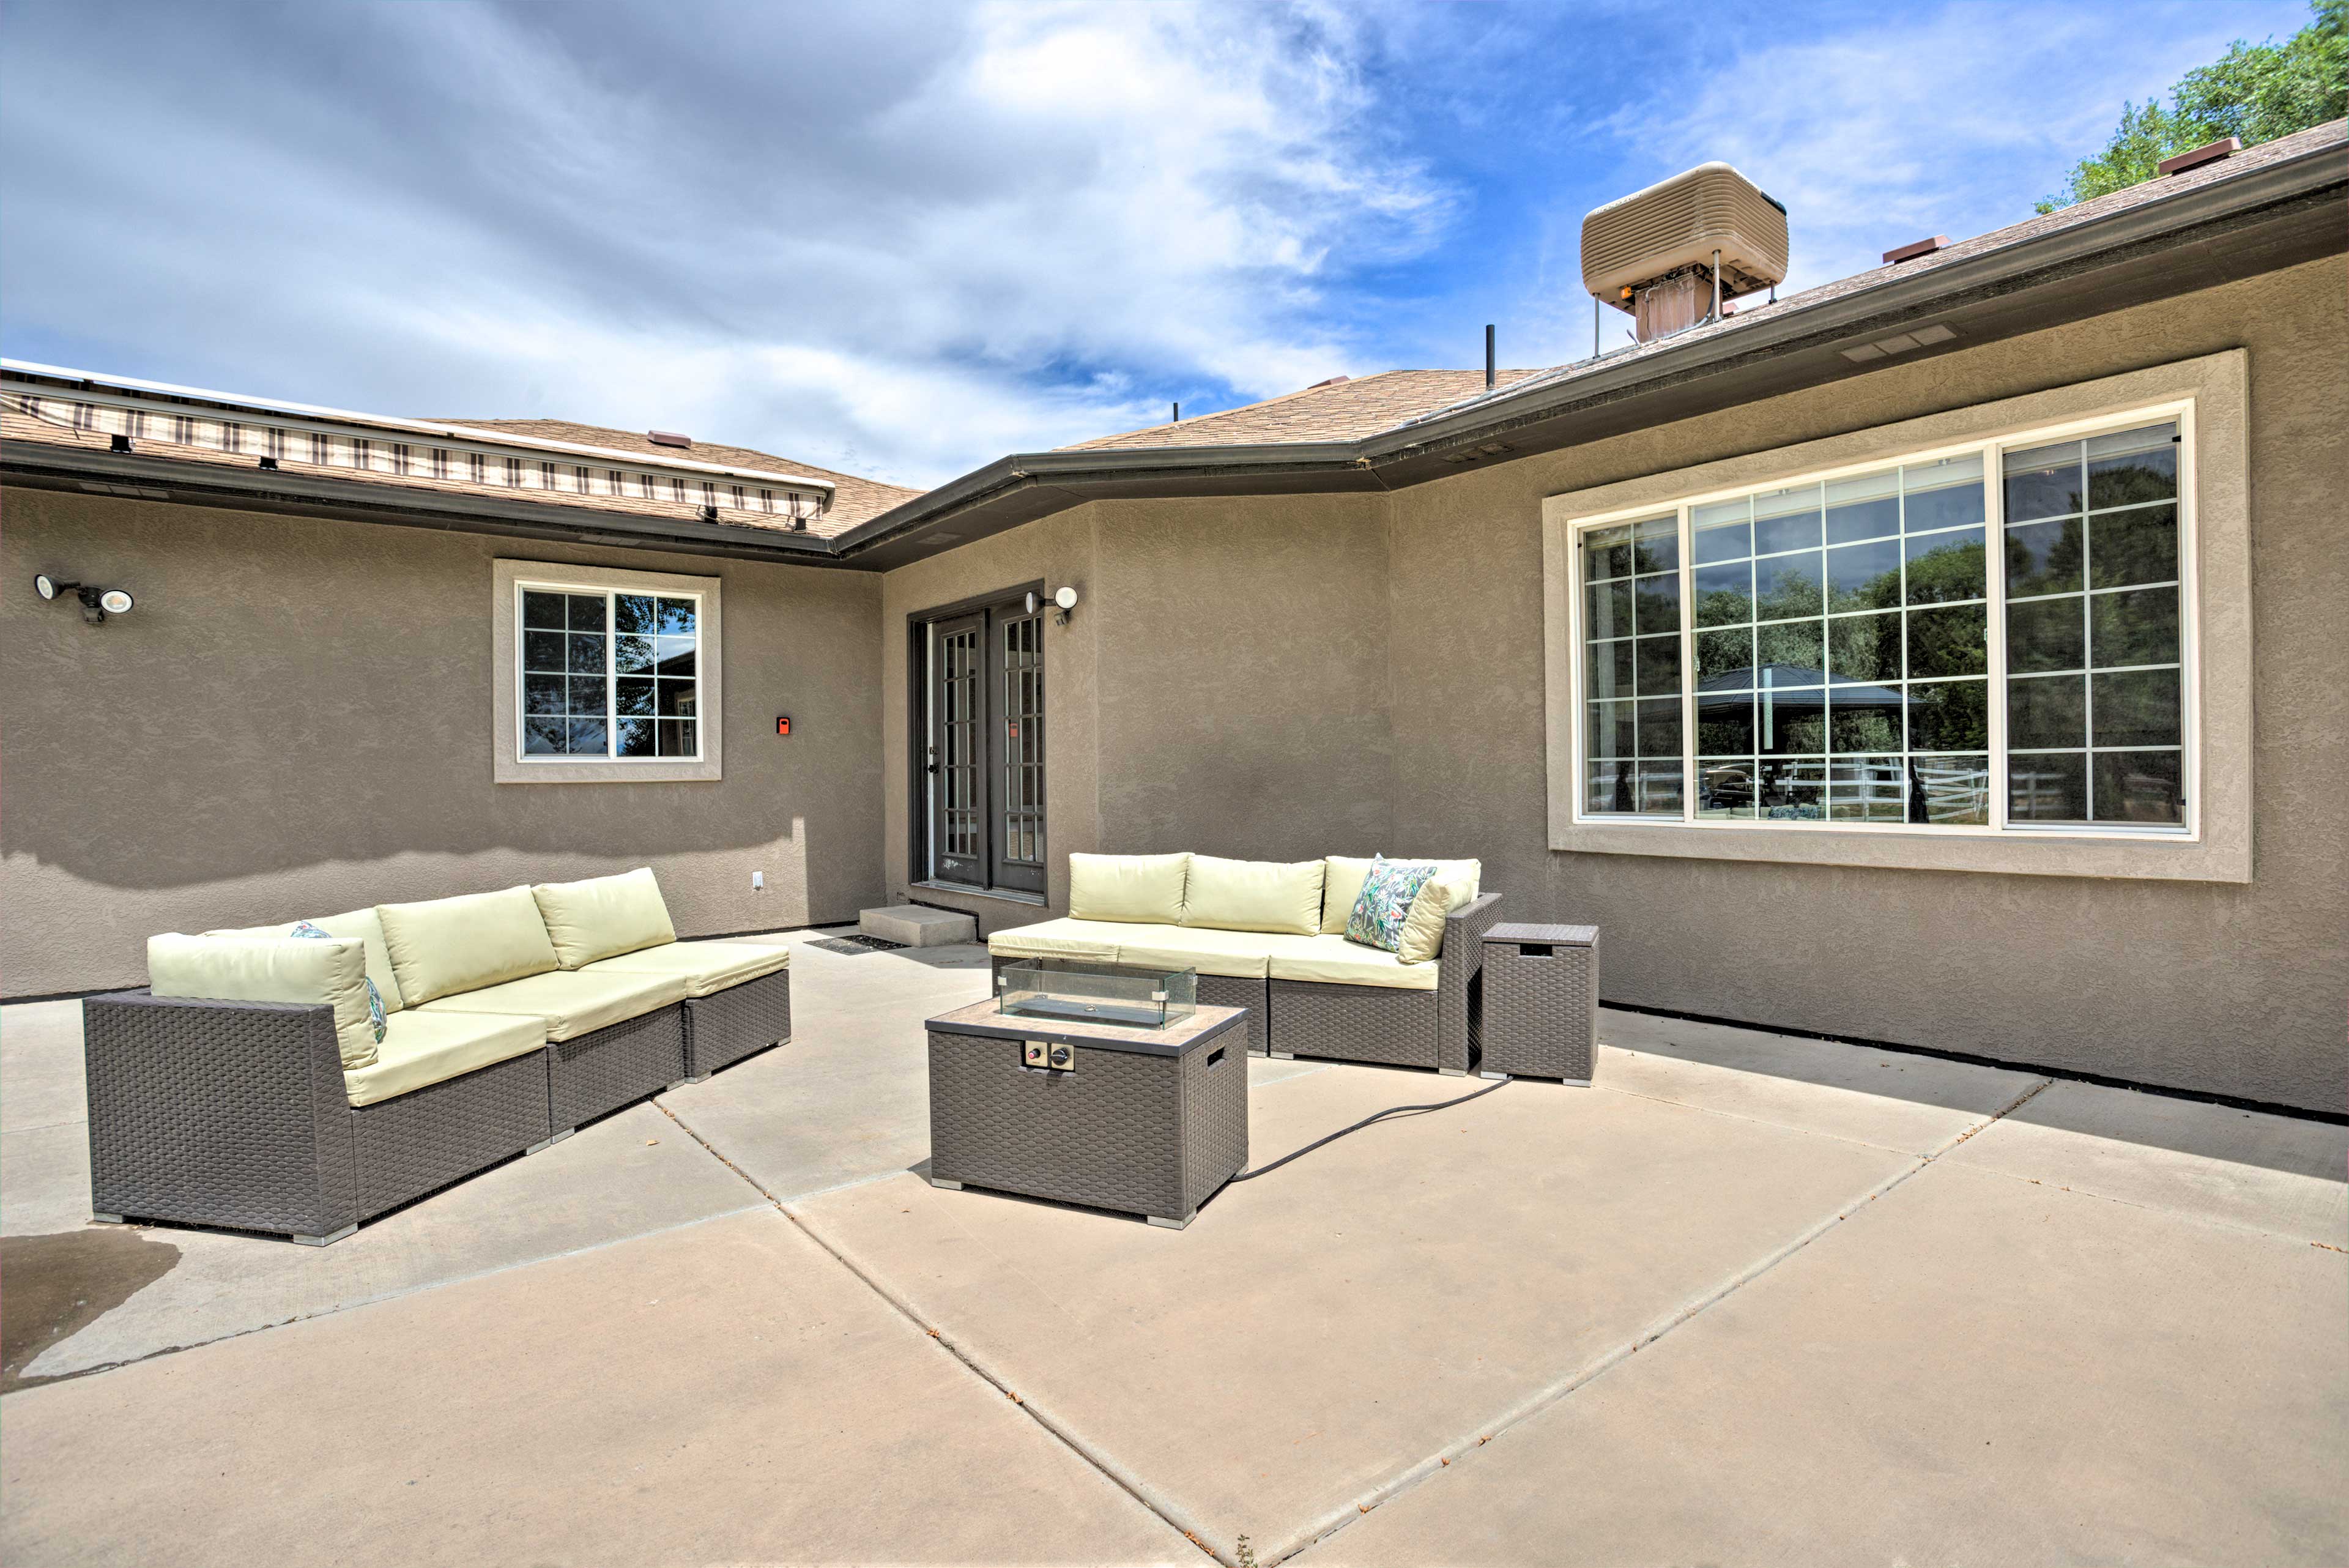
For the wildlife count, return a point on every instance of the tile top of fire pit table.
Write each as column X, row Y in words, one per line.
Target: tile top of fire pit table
column 982, row 1018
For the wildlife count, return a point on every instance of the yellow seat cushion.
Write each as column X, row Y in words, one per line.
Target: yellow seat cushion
column 1237, row 955
column 303, row 970
column 1130, row 888
column 443, row 946
column 602, row 917
column 1334, row 960
column 430, row 1045
column 705, row 967
column 1253, row 895
column 1086, row 940
column 570, row 1002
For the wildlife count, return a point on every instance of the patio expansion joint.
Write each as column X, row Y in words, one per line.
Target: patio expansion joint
column 1054, row 1426
column 1590, row 1372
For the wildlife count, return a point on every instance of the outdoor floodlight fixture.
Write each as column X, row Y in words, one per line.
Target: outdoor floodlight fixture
column 1065, row 600
column 97, row 603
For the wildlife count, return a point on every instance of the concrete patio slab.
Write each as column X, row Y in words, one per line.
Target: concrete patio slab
column 629, row 1175
column 1317, row 1336
column 44, row 1179
column 1972, row 1370
column 1894, row 1098
column 2284, row 1174
column 721, row 1394
column 41, row 1081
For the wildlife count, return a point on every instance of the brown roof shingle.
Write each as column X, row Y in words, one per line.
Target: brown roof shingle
column 1345, row 412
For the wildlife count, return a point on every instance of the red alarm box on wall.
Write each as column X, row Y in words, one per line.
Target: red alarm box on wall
column 783, row 725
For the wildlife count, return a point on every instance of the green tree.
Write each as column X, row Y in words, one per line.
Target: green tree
column 2255, row 91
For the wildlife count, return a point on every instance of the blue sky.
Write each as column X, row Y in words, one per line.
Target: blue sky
column 904, row 240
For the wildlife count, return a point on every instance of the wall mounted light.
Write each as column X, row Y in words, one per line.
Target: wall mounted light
column 97, row 603
column 1064, row 599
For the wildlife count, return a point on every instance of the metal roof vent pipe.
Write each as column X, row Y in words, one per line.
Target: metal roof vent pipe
column 1671, row 255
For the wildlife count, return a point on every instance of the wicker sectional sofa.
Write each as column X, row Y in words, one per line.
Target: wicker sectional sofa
column 248, row 1086
column 1269, row 936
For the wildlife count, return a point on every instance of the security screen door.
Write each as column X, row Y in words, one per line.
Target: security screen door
column 984, row 817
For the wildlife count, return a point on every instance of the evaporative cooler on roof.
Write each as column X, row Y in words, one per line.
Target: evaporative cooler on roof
column 1653, row 254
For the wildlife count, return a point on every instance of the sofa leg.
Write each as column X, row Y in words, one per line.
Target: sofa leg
column 550, row 1143
column 326, row 1239
column 680, row 1084
column 109, row 1219
column 1282, row 1055
column 1173, row 1224
column 944, row 1185
column 1452, row 1072
column 1503, row 1076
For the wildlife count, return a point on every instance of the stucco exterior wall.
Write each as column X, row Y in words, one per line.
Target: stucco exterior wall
column 1242, row 693
column 2237, row 989
column 296, row 720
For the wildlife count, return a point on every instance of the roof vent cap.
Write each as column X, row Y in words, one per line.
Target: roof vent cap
column 1653, row 252
column 1330, row 382
column 1914, row 249
column 669, row 438
column 2208, row 152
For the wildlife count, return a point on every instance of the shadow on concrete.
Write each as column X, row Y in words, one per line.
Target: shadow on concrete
column 56, row 1286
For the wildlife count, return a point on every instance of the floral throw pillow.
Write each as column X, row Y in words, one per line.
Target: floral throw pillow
column 375, row 997
column 1385, row 901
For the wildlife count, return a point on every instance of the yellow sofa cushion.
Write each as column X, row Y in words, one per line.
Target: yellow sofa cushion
column 359, row 923
column 1334, row 960
column 444, row 946
column 1342, row 883
column 1129, row 887
column 602, row 917
column 705, row 967
column 426, row 1045
column 1239, row 954
column 1423, row 927
column 1093, row 940
column 299, row 969
column 1253, row 895
column 571, row 1003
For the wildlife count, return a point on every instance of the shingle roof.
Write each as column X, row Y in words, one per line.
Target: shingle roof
column 1343, row 411
column 854, row 497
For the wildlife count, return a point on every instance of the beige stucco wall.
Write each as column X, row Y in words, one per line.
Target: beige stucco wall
column 296, row 720
column 1245, row 692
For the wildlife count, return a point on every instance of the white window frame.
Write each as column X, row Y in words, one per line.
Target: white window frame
column 2218, row 620
column 512, row 765
column 1991, row 451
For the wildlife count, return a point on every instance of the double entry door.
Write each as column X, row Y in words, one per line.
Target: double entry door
column 983, row 817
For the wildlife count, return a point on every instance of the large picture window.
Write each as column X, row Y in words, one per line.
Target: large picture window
column 1985, row 640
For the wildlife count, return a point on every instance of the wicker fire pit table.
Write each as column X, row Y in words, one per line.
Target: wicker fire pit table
column 1066, row 1099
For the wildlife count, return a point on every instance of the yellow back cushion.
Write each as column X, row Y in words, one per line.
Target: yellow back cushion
column 1135, row 889
column 301, row 970
column 1423, row 927
column 1253, row 895
column 443, row 946
column 604, row 917
column 361, row 924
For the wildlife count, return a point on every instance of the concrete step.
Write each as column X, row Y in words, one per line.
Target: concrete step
column 913, row 926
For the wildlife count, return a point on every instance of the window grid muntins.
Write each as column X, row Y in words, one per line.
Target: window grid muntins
column 958, row 736
column 1838, row 663
column 1023, row 741
column 610, row 673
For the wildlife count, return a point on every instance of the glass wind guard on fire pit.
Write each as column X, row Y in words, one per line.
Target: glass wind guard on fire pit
column 1074, row 991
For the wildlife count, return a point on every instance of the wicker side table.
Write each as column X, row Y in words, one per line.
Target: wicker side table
column 1146, row 1121
column 1541, row 1002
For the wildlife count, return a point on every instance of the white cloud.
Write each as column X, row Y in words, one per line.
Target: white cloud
column 1925, row 122
column 905, row 248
